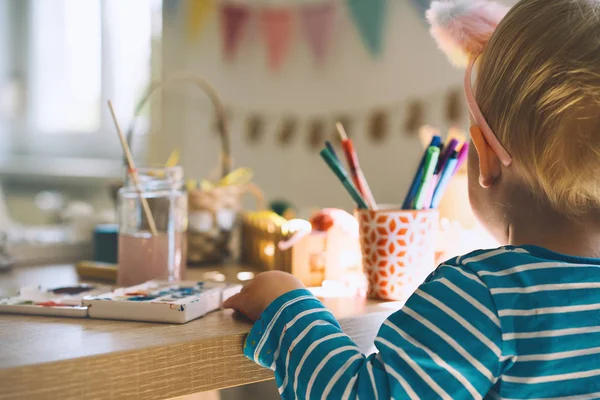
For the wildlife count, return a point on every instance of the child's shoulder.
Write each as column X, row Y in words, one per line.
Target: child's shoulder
column 492, row 260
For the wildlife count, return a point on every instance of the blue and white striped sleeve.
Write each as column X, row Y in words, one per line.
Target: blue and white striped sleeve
column 446, row 342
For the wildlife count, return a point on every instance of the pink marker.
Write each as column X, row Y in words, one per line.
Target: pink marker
column 462, row 156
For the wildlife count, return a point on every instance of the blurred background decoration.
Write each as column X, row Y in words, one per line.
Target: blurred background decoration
column 285, row 71
column 277, row 30
column 280, row 23
column 59, row 62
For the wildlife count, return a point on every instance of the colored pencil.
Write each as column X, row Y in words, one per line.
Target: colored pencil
column 431, row 159
column 355, row 171
column 341, row 174
column 414, row 186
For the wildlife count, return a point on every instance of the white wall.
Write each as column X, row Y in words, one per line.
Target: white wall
column 411, row 67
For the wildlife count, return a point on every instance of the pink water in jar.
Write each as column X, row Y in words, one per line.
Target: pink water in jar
column 143, row 256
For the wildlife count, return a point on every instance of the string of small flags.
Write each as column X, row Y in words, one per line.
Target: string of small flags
column 279, row 24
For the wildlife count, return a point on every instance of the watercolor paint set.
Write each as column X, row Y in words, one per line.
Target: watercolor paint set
column 159, row 301
column 60, row 302
column 153, row 301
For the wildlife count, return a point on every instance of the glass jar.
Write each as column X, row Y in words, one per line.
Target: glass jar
column 142, row 255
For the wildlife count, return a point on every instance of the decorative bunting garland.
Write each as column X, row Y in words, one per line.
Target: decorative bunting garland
column 171, row 5
column 316, row 20
column 276, row 27
column 422, row 5
column 197, row 13
column 415, row 117
column 255, row 129
column 287, row 131
column 378, row 126
column 316, row 134
column 369, row 17
column 380, row 121
column 234, row 20
column 318, row 23
column 454, row 109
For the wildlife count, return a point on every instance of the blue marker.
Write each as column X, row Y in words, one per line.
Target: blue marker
column 414, row 186
column 447, row 175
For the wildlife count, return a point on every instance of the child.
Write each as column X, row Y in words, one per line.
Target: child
column 518, row 322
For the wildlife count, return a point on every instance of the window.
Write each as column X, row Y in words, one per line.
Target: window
column 60, row 60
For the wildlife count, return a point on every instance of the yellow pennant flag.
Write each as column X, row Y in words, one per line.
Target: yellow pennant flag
column 173, row 159
column 198, row 12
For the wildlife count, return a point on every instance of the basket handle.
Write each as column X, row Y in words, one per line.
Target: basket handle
column 222, row 123
column 253, row 190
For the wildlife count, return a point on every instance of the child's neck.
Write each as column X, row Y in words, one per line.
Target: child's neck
column 544, row 227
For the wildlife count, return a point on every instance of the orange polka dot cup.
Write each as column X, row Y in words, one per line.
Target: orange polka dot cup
column 398, row 249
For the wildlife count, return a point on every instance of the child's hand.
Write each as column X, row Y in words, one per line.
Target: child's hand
column 258, row 294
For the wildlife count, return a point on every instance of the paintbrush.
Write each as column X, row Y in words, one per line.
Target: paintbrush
column 133, row 172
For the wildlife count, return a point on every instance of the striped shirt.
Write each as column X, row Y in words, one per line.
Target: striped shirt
column 510, row 323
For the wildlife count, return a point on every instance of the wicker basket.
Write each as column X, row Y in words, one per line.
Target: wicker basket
column 212, row 213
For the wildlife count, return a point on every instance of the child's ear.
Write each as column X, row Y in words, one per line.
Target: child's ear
column 489, row 163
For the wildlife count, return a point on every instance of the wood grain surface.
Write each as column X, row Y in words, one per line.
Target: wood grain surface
column 71, row 358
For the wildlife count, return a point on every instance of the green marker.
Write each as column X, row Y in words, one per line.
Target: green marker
column 433, row 153
column 338, row 170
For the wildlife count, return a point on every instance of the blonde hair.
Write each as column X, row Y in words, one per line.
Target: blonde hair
column 538, row 86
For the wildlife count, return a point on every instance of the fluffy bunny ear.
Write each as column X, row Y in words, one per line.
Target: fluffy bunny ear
column 462, row 28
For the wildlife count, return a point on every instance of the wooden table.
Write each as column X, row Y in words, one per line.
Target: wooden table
column 71, row 358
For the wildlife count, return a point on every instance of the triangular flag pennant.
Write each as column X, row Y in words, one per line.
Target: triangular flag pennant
column 197, row 13
column 422, row 5
column 234, row 19
column 276, row 26
column 171, row 5
column 317, row 23
column 369, row 17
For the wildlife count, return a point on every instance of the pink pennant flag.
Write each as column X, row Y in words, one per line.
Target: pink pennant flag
column 317, row 23
column 276, row 26
column 234, row 20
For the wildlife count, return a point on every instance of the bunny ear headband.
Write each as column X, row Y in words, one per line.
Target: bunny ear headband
column 462, row 29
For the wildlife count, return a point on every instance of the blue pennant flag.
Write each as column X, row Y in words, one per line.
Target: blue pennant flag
column 369, row 17
column 422, row 5
column 171, row 5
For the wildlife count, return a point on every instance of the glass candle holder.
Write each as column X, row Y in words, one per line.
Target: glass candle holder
column 142, row 255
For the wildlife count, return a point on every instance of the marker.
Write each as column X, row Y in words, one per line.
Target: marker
column 338, row 170
column 447, row 175
column 436, row 141
column 433, row 154
column 445, row 155
column 431, row 189
column 462, row 156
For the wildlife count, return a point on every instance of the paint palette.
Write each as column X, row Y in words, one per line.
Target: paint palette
column 159, row 301
column 153, row 301
column 60, row 302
